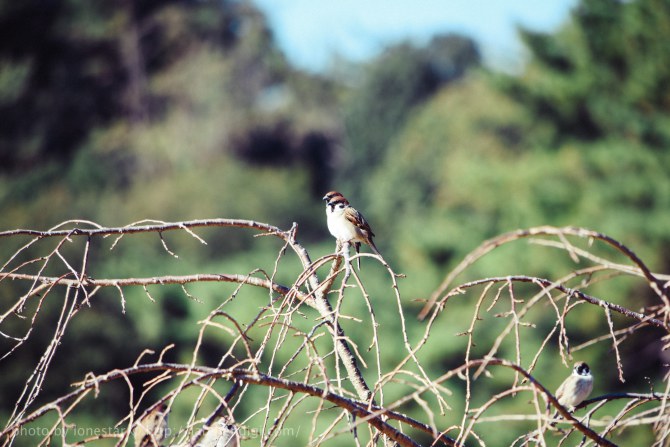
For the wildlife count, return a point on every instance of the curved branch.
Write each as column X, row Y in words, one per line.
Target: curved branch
column 322, row 305
column 568, row 291
column 491, row 244
column 599, row 440
column 134, row 228
column 615, row 396
column 157, row 280
column 360, row 409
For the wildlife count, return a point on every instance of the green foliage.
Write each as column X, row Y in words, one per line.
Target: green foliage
column 466, row 178
column 400, row 79
column 605, row 75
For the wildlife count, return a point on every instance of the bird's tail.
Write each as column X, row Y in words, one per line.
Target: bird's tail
column 375, row 249
column 371, row 243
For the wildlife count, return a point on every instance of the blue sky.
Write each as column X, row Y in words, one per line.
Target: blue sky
column 311, row 32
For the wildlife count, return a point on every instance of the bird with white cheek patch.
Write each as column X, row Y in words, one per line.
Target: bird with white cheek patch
column 576, row 388
column 347, row 224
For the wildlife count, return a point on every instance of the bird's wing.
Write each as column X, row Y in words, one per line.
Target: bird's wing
column 356, row 218
column 561, row 391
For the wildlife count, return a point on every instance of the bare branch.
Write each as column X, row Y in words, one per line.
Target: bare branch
column 282, row 358
column 570, row 292
column 657, row 285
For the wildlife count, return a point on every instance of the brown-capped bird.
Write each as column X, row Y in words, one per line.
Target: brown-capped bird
column 347, row 224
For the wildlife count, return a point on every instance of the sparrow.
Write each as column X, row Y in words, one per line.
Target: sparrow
column 576, row 388
column 152, row 428
column 221, row 434
column 347, row 224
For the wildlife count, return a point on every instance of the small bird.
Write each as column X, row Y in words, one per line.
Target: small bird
column 576, row 388
column 347, row 224
column 221, row 434
column 152, row 428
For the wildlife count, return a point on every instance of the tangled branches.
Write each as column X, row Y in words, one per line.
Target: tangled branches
column 294, row 367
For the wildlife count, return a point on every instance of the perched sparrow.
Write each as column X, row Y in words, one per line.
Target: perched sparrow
column 152, row 428
column 347, row 224
column 576, row 388
column 221, row 434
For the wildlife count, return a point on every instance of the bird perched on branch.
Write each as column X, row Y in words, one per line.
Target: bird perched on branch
column 576, row 388
column 223, row 433
column 347, row 224
column 152, row 428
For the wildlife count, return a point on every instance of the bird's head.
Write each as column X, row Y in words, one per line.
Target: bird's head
column 335, row 200
column 332, row 194
column 582, row 369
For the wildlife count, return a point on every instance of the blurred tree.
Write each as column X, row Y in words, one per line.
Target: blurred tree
column 70, row 66
column 606, row 74
column 58, row 80
column 402, row 77
column 579, row 141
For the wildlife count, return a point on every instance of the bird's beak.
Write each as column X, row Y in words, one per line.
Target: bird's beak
column 325, row 198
